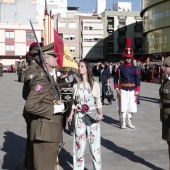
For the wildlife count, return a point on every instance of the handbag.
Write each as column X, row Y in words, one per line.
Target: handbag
column 109, row 93
column 93, row 114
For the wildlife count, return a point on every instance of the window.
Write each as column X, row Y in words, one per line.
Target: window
column 72, row 49
column 27, row 48
column 9, row 34
column 9, row 48
column 72, row 37
column 66, row 37
column 30, row 35
column 61, row 25
column 72, row 25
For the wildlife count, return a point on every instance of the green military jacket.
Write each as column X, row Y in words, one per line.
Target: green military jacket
column 45, row 126
column 31, row 70
column 164, row 92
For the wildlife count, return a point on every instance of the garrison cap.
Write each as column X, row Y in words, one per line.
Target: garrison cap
column 167, row 61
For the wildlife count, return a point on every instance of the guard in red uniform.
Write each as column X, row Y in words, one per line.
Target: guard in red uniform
column 127, row 85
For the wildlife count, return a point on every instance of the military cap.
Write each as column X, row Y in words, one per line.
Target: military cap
column 167, row 61
column 128, row 53
column 49, row 49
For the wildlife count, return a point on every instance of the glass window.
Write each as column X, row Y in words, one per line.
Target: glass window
column 9, row 48
column 61, row 25
column 30, row 35
column 72, row 25
column 72, row 37
column 66, row 37
column 72, row 49
column 9, row 34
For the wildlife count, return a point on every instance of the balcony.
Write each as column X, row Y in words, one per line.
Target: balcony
column 110, row 28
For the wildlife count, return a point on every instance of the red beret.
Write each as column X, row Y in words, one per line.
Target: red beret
column 35, row 44
column 27, row 54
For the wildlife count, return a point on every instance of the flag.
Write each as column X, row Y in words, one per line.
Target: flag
column 65, row 59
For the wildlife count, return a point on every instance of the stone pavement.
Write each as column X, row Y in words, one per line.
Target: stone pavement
column 127, row 149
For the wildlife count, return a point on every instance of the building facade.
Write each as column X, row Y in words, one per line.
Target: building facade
column 119, row 25
column 156, row 20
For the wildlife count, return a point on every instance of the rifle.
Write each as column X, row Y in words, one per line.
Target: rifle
column 120, row 103
column 48, row 74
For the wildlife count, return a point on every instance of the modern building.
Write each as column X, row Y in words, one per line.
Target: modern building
column 156, row 21
column 119, row 25
column 15, row 40
column 82, row 34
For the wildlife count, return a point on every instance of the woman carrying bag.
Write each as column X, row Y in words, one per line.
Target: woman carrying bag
column 88, row 114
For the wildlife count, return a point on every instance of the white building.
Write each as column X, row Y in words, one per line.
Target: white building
column 100, row 6
column 122, row 6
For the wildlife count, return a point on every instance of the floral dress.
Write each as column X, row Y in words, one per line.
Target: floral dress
column 86, row 129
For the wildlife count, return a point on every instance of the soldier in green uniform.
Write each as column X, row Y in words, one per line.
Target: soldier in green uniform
column 1, row 70
column 31, row 70
column 46, row 124
column 165, row 105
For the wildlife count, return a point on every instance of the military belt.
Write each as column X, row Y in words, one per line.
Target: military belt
column 128, row 85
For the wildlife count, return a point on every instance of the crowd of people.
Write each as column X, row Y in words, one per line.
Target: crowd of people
column 56, row 100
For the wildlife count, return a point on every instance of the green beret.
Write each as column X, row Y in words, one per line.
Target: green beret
column 167, row 61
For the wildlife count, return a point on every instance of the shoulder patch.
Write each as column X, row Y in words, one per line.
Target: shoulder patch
column 38, row 88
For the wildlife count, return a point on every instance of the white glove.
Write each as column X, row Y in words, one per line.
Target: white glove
column 58, row 108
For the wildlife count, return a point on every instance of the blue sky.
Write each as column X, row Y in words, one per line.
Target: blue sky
column 89, row 5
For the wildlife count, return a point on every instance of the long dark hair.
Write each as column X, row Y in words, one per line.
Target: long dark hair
column 89, row 73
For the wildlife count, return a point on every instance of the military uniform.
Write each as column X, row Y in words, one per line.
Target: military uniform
column 45, row 130
column 66, row 91
column 127, row 80
column 1, row 70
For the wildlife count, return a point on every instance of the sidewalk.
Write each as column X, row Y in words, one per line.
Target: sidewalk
column 127, row 149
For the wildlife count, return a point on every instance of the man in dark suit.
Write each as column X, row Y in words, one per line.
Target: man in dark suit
column 104, row 78
column 46, row 124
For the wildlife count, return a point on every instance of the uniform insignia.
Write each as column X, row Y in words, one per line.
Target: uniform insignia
column 165, row 91
column 38, row 88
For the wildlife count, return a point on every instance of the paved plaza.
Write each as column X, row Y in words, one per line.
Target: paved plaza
column 126, row 149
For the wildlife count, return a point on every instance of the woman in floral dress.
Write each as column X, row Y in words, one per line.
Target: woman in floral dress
column 87, row 105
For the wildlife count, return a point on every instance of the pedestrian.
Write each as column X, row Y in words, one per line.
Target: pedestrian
column 46, row 108
column 104, row 79
column 127, row 85
column 66, row 82
column 1, row 70
column 88, row 114
column 164, row 92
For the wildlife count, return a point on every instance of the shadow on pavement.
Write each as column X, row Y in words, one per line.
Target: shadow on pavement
column 127, row 154
column 111, row 121
column 14, row 147
column 149, row 99
column 66, row 160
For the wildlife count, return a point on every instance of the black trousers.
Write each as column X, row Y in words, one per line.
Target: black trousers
column 66, row 114
column 104, row 89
